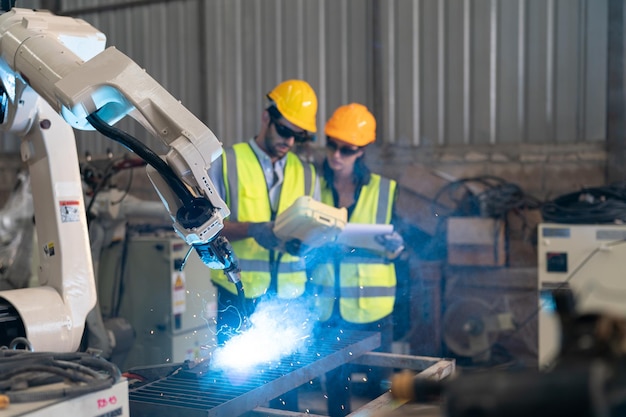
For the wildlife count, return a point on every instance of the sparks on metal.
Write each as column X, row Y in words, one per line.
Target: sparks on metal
column 277, row 328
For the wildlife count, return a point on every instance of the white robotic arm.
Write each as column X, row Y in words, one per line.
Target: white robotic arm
column 61, row 58
column 53, row 64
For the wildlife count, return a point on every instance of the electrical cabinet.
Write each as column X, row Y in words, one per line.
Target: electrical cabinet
column 589, row 260
column 172, row 311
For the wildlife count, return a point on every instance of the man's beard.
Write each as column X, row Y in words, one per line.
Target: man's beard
column 272, row 149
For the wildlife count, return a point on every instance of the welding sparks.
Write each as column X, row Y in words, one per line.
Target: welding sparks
column 277, row 328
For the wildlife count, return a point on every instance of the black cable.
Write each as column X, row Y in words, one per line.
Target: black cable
column 241, row 297
column 81, row 373
column 588, row 206
column 118, row 285
column 66, row 392
column 498, row 197
column 145, row 153
column 194, row 211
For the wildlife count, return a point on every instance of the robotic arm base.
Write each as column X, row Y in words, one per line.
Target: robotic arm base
column 46, row 320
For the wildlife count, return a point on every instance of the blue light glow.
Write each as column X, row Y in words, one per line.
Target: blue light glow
column 277, row 328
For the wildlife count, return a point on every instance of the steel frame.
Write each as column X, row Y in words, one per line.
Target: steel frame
column 425, row 367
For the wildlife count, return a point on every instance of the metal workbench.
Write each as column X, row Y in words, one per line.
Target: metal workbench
column 202, row 392
column 386, row 405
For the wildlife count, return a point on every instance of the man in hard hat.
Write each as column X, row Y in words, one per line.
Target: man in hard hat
column 364, row 296
column 259, row 179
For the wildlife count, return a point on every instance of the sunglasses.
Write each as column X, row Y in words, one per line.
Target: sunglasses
column 343, row 150
column 286, row 133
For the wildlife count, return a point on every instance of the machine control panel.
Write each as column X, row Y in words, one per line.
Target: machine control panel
column 556, row 262
column 589, row 260
column 568, row 252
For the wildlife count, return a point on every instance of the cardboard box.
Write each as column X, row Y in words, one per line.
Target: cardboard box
column 476, row 241
column 522, row 237
column 522, row 224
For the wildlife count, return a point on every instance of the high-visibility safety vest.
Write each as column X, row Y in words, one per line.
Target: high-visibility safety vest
column 247, row 197
column 366, row 289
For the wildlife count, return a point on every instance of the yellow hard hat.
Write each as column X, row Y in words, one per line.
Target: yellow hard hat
column 353, row 124
column 297, row 102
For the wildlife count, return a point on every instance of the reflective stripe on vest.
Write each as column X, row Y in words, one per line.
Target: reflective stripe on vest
column 255, row 265
column 367, row 291
column 383, row 201
column 357, row 259
column 354, row 292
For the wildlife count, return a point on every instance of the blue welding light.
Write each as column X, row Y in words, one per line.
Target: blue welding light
column 546, row 302
column 277, row 329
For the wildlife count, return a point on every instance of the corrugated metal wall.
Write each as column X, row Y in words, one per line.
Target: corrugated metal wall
column 435, row 72
column 490, row 71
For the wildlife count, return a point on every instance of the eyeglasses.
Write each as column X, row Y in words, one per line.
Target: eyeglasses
column 286, row 133
column 343, row 150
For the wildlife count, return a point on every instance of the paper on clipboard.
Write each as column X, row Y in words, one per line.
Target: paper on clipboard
column 364, row 235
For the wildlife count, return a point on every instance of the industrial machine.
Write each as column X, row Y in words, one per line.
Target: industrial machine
column 471, row 327
column 174, row 320
column 588, row 260
column 56, row 76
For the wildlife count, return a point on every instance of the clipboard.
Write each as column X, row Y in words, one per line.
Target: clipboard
column 363, row 236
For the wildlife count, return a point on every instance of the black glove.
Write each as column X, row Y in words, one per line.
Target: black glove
column 393, row 244
column 295, row 247
column 264, row 235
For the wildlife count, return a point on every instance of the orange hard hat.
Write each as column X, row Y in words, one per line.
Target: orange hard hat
column 297, row 102
column 353, row 124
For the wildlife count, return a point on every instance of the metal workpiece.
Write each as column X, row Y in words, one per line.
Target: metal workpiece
column 426, row 366
column 203, row 392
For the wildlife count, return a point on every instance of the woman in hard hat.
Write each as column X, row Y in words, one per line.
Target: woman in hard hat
column 364, row 296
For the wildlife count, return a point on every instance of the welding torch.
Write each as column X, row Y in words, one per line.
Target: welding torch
column 220, row 248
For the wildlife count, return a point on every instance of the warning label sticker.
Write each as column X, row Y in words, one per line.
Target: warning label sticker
column 179, row 296
column 70, row 211
column 49, row 249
